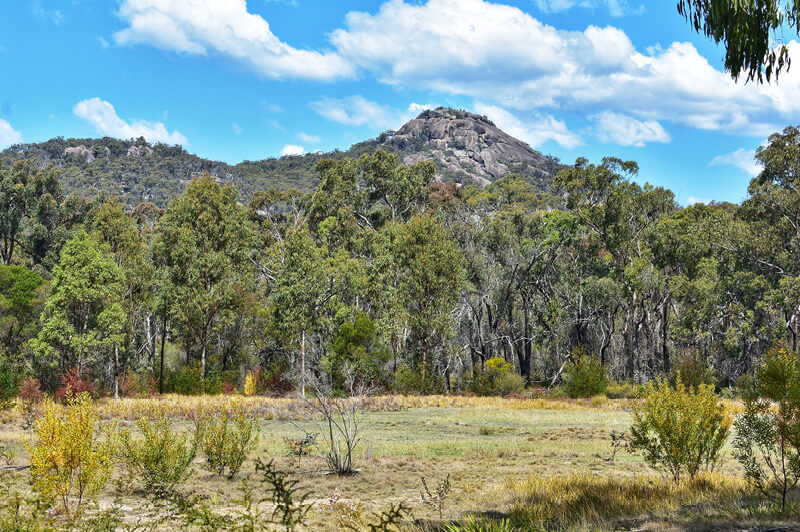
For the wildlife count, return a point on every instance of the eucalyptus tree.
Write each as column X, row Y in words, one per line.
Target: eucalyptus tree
column 84, row 313
column 204, row 241
column 29, row 198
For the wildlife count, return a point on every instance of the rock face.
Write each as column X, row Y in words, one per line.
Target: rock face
column 139, row 151
column 469, row 148
column 80, row 152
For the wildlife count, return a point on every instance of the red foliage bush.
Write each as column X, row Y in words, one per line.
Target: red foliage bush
column 30, row 392
column 277, row 382
column 133, row 385
column 73, row 384
column 229, row 388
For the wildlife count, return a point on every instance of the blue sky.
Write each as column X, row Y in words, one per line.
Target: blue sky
column 235, row 80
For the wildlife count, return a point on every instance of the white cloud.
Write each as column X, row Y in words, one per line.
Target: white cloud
column 8, row 135
column 742, row 159
column 305, row 137
column 502, row 55
column 292, row 149
column 693, row 200
column 483, row 50
column 358, row 111
column 104, row 118
column 237, row 129
column 535, row 132
column 225, row 28
column 626, row 131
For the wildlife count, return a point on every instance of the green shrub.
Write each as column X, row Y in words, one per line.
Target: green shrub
column 693, row 370
column 408, row 380
column 678, row 428
column 8, row 388
column 767, row 438
column 226, row 440
column 497, row 377
column 187, row 380
column 162, row 459
column 584, row 376
column 355, row 353
column 623, row 390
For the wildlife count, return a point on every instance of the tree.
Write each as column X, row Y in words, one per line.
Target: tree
column 301, row 285
column 767, row 439
column 204, row 240
column 125, row 241
column 398, row 186
column 26, row 197
column 84, row 315
column 431, row 274
column 748, row 30
column 21, row 302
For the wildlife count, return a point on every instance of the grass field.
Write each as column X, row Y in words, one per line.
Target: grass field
column 522, row 459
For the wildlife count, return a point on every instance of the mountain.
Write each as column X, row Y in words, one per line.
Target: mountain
column 469, row 148
column 466, row 148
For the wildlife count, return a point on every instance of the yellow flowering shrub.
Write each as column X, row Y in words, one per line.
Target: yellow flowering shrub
column 69, row 463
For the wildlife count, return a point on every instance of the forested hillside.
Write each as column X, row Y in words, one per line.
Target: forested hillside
column 382, row 275
column 466, row 148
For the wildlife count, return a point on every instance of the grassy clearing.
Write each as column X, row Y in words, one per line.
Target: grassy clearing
column 540, row 463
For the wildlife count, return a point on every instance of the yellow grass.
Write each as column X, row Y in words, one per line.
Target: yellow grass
column 580, row 499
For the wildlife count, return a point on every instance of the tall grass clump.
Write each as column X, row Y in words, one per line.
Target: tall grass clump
column 767, row 440
column 162, row 459
column 69, row 461
column 679, row 429
column 587, row 500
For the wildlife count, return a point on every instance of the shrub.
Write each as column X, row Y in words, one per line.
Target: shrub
column 767, row 438
column 623, row 390
column 496, row 378
column 584, row 376
column 68, row 462
column 133, row 385
column 277, row 381
column 162, row 459
column 226, row 440
column 693, row 370
column 73, row 385
column 253, row 382
column 408, row 380
column 30, row 393
column 187, row 380
column 8, row 388
column 679, row 429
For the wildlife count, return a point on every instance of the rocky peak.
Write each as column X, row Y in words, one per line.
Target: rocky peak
column 468, row 148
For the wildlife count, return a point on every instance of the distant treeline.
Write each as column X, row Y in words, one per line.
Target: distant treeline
column 383, row 276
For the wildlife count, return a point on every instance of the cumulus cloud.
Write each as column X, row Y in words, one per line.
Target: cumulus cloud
column 621, row 129
column 535, row 132
column 104, row 118
column 225, row 28
column 358, row 111
column 292, row 149
column 8, row 135
column 742, row 159
column 305, row 137
column 483, row 50
column 693, row 200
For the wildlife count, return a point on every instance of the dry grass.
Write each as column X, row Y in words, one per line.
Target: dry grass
column 583, row 500
column 506, row 456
